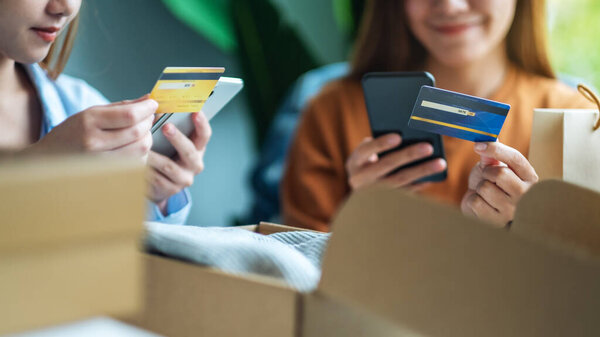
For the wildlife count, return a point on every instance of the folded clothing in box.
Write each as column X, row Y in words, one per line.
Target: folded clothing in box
column 294, row 256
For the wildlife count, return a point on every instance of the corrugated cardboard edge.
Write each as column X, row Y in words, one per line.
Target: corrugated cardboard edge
column 428, row 268
column 267, row 228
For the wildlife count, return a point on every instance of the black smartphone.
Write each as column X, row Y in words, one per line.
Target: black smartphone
column 390, row 98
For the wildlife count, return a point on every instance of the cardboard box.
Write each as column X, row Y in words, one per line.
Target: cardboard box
column 398, row 265
column 69, row 239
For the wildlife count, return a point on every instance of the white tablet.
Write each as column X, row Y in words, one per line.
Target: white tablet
column 225, row 90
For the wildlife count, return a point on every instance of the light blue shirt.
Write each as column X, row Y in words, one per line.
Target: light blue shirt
column 67, row 96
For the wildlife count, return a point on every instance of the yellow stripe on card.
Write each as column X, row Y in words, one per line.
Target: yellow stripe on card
column 453, row 126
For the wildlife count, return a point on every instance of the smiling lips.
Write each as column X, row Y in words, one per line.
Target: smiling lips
column 47, row 34
column 456, row 28
column 453, row 29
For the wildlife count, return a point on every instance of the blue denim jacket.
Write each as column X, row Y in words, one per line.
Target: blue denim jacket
column 67, row 96
column 267, row 173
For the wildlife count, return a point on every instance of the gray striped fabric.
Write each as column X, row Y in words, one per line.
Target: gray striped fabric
column 294, row 257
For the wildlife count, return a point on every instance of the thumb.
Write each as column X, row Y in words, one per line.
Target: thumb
column 485, row 159
column 488, row 161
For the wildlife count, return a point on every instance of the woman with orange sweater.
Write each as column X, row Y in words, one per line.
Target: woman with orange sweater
column 488, row 48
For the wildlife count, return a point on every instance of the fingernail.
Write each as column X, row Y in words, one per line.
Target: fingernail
column 168, row 129
column 426, row 149
column 393, row 140
column 436, row 166
column 480, row 147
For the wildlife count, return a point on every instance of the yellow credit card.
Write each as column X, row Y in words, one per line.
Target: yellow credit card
column 181, row 89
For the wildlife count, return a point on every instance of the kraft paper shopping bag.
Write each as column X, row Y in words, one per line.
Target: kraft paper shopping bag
column 565, row 144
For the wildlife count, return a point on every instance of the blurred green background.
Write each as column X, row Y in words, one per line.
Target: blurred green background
column 574, row 41
column 123, row 45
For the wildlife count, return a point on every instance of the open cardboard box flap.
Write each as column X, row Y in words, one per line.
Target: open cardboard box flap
column 570, row 216
column 428, row 268
column 400, row 265
column 69, row 239
column 38, row 191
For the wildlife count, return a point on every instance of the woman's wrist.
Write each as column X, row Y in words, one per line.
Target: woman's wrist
column 162, row 206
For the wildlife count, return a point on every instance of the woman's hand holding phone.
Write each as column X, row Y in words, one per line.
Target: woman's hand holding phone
column 497, row 183
column 169, row 176
column 365, row 167
column 120, row 128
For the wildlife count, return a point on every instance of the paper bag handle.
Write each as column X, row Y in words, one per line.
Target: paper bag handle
column 589, row 94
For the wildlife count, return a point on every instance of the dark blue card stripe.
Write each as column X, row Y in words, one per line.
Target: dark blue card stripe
column 191, row 76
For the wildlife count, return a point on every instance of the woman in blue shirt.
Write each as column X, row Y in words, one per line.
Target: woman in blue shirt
column 43, row 112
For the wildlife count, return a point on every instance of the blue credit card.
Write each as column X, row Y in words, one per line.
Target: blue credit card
column 458, row 115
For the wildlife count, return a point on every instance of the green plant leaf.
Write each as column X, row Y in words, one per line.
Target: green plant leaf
column 209, row 18
column 348, row 15
column 272, row 56
column 342, row 10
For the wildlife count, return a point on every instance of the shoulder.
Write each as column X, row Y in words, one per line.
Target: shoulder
column 340, row 95
column 341, row 88
column 64, row 96
column 338, row 116
column 317, row 78
column 337, row 103
column 79, row 92
column 311, row 83
column 549, row 92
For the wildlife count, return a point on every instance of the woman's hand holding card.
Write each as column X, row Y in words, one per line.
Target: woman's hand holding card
column 497, row 183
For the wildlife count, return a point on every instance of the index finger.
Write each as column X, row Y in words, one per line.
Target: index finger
column 368, row 148
column 202, row 130
column 186, row 149
column 123, row 115
column 509, row 156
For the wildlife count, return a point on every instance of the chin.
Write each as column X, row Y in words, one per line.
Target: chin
column 458, row 58
column 456, row 62
column 33, row 55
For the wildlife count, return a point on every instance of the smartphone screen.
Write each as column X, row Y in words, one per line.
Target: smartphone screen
column 390, row 98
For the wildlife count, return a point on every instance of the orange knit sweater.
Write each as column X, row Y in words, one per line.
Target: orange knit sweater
column 335, row 122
